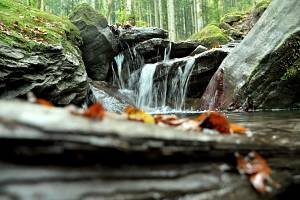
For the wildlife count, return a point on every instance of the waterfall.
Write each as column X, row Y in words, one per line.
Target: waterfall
column 150, row 94
column 145, row 94
column 119, row 79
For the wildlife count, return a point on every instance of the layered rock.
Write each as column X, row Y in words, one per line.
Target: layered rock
column 263, row 71
column 99, row 43
column 53, row 74
column 121, row 159
column 135, row 35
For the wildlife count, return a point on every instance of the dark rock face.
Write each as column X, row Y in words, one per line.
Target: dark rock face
column 263, row 71
column 54, row 74
column 140, row 34
column 99, row 43
column 110, row 97
column 153, row 50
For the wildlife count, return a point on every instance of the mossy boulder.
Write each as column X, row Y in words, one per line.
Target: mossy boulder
column 262, row 5
column 39, row 53
column 99, row 43
column 263, row 72
column 211, row 36
column 233, row 17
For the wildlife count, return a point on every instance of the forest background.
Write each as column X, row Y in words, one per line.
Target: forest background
column 182, row 18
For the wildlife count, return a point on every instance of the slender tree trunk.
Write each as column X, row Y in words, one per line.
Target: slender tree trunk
column 161, row 14
column 171, row 20
column 156, row 13
column 128, row 7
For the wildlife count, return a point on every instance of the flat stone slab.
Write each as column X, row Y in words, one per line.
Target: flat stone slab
column 49, row 153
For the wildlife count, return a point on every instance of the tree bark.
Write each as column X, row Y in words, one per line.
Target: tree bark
column 171, row 20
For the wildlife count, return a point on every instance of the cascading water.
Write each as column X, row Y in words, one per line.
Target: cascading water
column 149, row 94
column 145, row 94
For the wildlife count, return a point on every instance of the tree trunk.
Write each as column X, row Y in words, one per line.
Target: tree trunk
column 161, row 14
column 171, row 20
column 156, row 13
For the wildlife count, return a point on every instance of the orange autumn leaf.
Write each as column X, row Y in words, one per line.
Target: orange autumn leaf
column 234, row 128
column 257, row 170
column 214, row 120
column 44, row 102
column 135, row 114
column 95, row 111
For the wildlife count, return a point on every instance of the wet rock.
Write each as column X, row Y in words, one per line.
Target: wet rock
column 154, row 50
column 198, row 50
column 110, row 97
column 99, row 43
column 204, row 67
column 120, row 159
column 263, row 71
column 54, row 73
column 135, row 35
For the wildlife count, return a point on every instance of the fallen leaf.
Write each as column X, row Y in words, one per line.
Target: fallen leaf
column 234, row 128
column 135, row 114
column 95, row 111
column 257, row 170
column 214, row 120
column 44, row 102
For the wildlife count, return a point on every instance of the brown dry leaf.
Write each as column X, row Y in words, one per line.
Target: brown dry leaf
column 44, row 102
column 214, row 120
column 257, row 170
column 95, row 111
column 135, row 114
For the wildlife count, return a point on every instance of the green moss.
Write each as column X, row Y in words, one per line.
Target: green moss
column 28, row 28
column 292, row 72
column 233, row 17
column 211, row 36
column 262, row 5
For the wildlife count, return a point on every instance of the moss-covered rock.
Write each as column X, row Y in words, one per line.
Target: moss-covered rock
column 38, row 53
column 211, row 36
column 230, row 18
column 30, row 29
column 262, row 5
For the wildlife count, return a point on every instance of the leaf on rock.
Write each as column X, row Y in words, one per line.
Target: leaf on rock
column 257, row 170
column 135, row 114
column 44, row 102
column 214, row 120
column 95, row 111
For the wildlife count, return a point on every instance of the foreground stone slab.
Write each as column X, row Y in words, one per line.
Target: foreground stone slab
column 52, row 154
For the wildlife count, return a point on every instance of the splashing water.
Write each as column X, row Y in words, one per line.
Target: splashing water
column 167, row 94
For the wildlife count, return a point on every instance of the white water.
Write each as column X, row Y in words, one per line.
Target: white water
column 145, row 93
column 167, row 95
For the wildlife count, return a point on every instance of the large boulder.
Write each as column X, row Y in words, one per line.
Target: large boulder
column 53, row 74
column 99, row 43
column 263, row 71
column 44, row 60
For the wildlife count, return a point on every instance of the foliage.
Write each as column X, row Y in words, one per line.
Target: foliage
column 30, row 28
column 211, row 36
